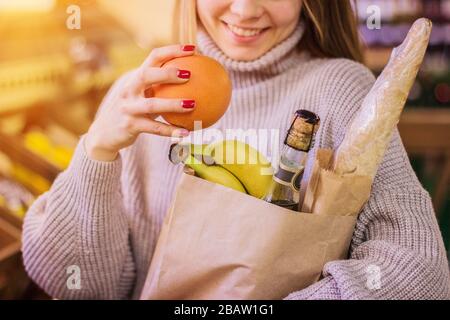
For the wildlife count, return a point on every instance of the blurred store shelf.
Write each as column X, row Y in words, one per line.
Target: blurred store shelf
column 377, row 58
column 425, row 129
column 425, row 132
column 42, row 61
column 13, row 279
column 9, row 240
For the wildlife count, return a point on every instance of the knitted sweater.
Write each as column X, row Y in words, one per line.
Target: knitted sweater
column 104, row 218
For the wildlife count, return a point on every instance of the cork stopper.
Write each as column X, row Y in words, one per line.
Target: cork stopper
column 303, row 130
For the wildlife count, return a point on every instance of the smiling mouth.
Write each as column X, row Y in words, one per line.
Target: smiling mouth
column 241, row 32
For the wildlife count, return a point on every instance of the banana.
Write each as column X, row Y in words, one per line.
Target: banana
column 214, row 174
column 228, row 162
column 200, row 149
column 247, row 164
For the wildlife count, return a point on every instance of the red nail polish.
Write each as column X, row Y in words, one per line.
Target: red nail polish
column 184, row 74
column 188, row 47
column 188, row 104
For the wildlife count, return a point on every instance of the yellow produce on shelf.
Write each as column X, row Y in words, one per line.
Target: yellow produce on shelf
column 19, row 211
column 41, row 145
column 25, row 82
column 30, row 179
column 62, row 156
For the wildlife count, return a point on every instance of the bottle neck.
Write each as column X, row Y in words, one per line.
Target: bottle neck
column 292, row 158
column 291, row 166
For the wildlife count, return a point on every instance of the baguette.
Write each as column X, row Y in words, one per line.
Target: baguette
column 370, row 132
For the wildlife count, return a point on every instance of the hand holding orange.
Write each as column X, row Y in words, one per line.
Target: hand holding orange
column 209, row 86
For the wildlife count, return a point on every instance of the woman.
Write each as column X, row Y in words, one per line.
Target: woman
column 104, row 213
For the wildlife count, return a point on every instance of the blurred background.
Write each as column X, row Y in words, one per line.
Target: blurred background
column 53, row 76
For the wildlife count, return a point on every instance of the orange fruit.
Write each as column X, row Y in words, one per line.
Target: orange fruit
column 209, row 86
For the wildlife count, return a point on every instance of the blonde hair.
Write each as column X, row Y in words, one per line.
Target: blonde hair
column 331, row 28
column 186, row 21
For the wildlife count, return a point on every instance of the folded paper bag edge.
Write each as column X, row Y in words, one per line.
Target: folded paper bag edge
column 333, row 194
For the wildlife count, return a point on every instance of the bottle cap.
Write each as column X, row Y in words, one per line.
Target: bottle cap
column 303, row 130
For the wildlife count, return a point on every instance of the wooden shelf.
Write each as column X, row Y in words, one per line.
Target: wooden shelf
column 11, row 218
column 14, row 281
column 425, row 129
column 10, row 240
column 14, row 148
column 377, row 58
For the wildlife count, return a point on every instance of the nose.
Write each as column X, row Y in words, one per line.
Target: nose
column 247, row 9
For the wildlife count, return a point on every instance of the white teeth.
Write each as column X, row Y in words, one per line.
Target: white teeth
column 244, row 32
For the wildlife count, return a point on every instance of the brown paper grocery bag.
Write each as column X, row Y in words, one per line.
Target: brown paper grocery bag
column 217, row 243
column 329, row 193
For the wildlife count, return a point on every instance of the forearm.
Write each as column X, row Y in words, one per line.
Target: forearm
column 80, row 225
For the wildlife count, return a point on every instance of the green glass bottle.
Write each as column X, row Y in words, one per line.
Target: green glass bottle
column 285, row 186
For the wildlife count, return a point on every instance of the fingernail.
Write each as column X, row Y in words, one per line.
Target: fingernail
column 188, row 47
column 183, row 133
column 184, row 74
column 188, row 104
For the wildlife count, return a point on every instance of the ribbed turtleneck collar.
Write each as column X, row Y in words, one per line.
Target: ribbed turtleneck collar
column 277, row 60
